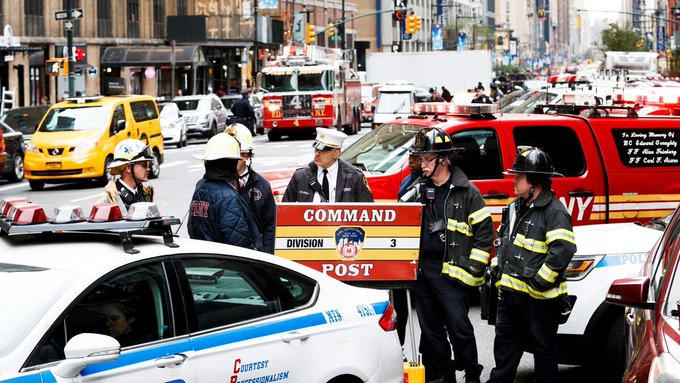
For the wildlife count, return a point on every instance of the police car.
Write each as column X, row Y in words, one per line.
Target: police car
column 593, row 334
column 120, row 299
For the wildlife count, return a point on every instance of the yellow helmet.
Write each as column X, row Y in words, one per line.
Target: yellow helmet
column 221, row 145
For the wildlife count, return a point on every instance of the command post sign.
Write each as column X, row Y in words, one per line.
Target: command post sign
column 352, row 241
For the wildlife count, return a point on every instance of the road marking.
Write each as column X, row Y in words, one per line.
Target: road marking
column 22, row 184
column 171, row 164
column 88, row 197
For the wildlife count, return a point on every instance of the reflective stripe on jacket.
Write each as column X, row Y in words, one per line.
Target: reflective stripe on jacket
column 469, row 234
column 536, row 248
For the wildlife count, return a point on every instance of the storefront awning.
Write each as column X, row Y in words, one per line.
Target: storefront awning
column 153, row 55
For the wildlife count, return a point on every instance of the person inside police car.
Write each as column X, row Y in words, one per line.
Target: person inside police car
column 254, row 188
column 132, row 160
column 456, row 239
column 328, row 178
column 217, row 212
column 534, row 247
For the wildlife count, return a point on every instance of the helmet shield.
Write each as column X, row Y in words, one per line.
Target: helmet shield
column 531, row 160
column 432, row 140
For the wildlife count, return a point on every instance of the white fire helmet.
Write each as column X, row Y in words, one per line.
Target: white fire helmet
column 128, row 152
column 242, row 135
column 221, row 145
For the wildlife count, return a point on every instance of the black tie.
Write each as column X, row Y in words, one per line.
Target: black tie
column 324, row 185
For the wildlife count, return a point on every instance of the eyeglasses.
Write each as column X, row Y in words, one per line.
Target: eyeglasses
column 428, row 160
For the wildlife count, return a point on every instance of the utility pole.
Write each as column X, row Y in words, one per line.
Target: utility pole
column 69, row 48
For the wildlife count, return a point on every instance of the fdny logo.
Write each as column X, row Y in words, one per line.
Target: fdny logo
column 348, row 242
column 255, row 194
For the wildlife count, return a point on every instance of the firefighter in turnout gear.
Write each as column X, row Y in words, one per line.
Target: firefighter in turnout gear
column 456, row 239
column 534, row 247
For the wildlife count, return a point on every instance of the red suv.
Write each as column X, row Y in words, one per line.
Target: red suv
column 652, row 329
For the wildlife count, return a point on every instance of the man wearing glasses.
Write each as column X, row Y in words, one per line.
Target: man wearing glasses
column 132, row 161
column 328, row 178
column 455, row 245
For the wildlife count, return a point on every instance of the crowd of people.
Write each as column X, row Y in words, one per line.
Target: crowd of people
column 534, row 243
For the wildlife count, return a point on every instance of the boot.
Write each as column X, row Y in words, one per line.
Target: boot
column 472, row 373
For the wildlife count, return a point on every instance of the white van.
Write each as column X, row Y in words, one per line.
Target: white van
column 395, row 100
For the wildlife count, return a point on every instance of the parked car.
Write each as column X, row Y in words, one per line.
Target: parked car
column 651, row 331
column 11, row 153
column 173, row 127
column 25, row 119
column 255, row 100
column 77, row 307
column 204, row 115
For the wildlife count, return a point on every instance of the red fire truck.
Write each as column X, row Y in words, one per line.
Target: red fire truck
column 315, row 88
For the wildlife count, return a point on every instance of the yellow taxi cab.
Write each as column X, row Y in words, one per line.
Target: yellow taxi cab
column 76, row 138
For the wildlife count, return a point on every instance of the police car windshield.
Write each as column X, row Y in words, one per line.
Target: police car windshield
column 393, row 103
column 383, row 150
column 75, row 119
column 26, row 294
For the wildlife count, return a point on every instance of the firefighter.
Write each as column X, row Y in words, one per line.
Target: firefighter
column 217, row 211
column 328, row 178
column 534, row 246
column 456, row 239
column 132, row 161
column 254, row 188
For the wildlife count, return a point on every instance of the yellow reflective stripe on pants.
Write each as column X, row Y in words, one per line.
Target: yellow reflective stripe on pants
column 531, row 244
column 547, row 274
column 563, row 234
column 480, row 256
column 513, row 283
column 456, row 272
column 462, row 227
column 479, row 216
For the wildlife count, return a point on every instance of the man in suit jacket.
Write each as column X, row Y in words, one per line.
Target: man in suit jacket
column 328, row 178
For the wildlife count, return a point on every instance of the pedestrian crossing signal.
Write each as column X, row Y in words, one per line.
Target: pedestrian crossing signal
column 56, row 67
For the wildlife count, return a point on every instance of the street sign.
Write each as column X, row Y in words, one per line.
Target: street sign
column 76, row 13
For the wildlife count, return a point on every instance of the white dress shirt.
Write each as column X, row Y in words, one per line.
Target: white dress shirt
column 332, row 182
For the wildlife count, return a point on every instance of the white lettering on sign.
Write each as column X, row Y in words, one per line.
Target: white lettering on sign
column 349, row 215
column 581, row 203
column 349, row 270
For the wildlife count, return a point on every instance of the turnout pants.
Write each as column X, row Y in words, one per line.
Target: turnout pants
column 442, row 308
column 524, row 323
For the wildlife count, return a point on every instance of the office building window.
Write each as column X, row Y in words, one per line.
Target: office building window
column 33, row 18
column 133, row 19
column 181, row 7
column 159, row 19
column 104, row 18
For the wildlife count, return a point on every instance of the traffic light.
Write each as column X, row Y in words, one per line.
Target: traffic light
column 417, row 23
column 311, row 34
column 578, row 22
column 331, row 30
column 410, row 24
column 56, row 67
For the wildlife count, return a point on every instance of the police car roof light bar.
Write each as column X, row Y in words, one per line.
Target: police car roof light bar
column 7, row 202
column 29, row 218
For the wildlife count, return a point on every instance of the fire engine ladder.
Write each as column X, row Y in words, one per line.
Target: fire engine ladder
column 8, row 101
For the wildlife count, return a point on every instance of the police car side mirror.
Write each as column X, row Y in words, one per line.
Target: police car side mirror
column 85, row 350
column 631, row 292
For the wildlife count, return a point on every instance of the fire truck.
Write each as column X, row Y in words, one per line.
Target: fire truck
column 308, row 88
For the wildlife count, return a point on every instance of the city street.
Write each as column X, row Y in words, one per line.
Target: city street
column 173, row 190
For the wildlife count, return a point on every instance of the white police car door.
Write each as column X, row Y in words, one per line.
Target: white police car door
column 242, row 330
column 132, row 306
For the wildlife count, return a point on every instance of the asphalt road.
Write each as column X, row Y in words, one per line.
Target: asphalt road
column 173, row 190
